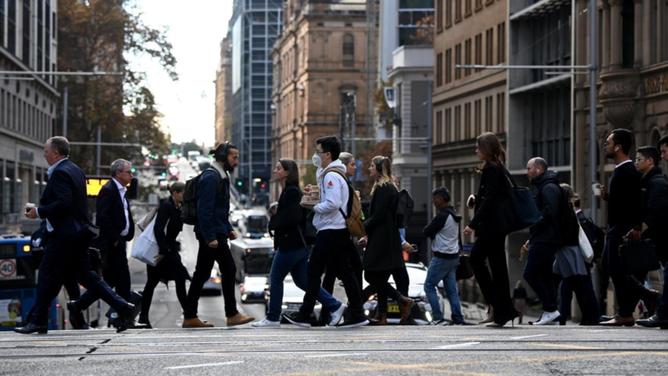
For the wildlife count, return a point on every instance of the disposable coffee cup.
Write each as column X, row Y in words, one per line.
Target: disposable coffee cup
column 29, row 206
column 596, row 188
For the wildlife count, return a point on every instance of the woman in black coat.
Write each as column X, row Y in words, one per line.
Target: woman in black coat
column 383, row 244
column 168, row 225
column 490, row 243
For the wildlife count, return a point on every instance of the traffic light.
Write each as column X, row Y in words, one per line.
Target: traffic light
column 239, row 183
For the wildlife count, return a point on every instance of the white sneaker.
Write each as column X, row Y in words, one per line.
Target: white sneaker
column 337, row 315
column 547, row 318
column 264, row 323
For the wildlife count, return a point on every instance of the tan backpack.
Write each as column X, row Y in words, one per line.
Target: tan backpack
column 354, row 219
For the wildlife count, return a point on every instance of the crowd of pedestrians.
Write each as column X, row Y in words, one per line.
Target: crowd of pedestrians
column 356, row 246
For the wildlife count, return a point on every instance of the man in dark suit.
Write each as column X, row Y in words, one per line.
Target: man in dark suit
column 114, row 218
column 63, row 205
column 624, row 214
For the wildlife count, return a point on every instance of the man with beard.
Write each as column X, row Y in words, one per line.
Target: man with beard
column 213, row 229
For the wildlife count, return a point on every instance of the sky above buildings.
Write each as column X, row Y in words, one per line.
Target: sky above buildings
column 195, row 29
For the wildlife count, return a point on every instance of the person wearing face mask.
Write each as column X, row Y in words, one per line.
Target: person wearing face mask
column 333, row 238
column 348, row 160
column 168, row 225
column 213, row 229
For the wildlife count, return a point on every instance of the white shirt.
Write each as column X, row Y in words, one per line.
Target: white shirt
column 626, row 161
column 121, row 191
column 447, row 240
column 333, row 196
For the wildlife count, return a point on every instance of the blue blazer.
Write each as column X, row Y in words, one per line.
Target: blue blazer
column 63, row 202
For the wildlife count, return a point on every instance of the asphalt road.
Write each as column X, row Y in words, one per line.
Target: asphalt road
column 289, row 350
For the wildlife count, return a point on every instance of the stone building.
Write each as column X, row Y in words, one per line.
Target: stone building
column 322, row 78
column 466, row 102
column 28, row 101
column 223, row 113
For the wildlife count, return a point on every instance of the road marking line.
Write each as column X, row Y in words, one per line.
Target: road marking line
column 531, row 336
column 568, row 347
column 457, row 345
column 207, row 365
column 334, row 355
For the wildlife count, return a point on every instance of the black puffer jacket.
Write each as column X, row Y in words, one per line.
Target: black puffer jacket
column 383, row 251
column 548, row 194
column 654, row 188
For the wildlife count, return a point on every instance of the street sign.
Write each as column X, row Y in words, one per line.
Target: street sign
column 389, row 96
column 8, row 269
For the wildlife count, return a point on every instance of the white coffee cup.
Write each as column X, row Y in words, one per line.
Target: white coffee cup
column 596, row 188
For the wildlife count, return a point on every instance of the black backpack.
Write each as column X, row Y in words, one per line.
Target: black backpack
column 189, row 205
column 405, row 205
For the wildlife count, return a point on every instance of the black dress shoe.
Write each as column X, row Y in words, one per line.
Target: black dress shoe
column 77, row 319
column 653, row 322
column 31, row 328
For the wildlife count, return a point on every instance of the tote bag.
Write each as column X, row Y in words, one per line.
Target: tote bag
column 585, row 246
column 145, row 247
column 518, row 211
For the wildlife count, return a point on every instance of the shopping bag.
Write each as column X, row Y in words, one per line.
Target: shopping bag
column 585, row 246
column 145, row 247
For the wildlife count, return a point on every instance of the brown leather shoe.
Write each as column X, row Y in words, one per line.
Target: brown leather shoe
column 381, row 320
column 195, row 323
column 239, row 319
column 619, row 321
column 406, row 307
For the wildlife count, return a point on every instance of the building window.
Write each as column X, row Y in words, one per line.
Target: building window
column 488, row 114
column 448, row 66
column 628, row 38
column 458, row 61
column 489, row 47
column 26, row 33
column 448, row 125
column 501, row 34
column 478, row 5
column 467, row 56
column 458, row 123
column 478, row 51
column 467, row 121
column 448, row 13
column 2, row 23
column 11, row 26
column 467, row 8
column 439, row 69
column 458, row 10
column 416, row 22
column 477, row 118
column 348, row 50
column 500, row 113
column 439, row 127
column 439, row 16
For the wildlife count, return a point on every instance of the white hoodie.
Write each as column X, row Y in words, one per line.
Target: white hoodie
column 333, row 196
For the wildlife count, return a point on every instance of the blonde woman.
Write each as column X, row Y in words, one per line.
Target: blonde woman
column 383, row 244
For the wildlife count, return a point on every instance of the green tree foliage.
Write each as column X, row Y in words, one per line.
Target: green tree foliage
column 99, row 35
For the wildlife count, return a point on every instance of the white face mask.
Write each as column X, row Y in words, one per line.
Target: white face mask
column 316, row 160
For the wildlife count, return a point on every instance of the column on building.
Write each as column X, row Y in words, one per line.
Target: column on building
column 647, row 32
column 605, row 35
column 662, row 29
column 406, row 116
column 638, row 34
column 615, row 34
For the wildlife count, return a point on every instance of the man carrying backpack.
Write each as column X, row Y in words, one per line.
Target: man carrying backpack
column 332, row 242
column 213, row 229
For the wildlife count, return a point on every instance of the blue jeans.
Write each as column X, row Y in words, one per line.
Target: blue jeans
column 443, row 270
column 295, row 263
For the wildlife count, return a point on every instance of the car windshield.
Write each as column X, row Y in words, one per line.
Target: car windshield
column 257, row 224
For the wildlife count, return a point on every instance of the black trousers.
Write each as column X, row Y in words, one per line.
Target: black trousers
column 153, row 278
column 355, row 262
column 115, row 272
column 495, row 287
column 65, row 256
column 378, row 281
column 326, row 255
column 538, row 274
column 583, row 288
column 206, row 256
column 628, row 287
column 401, row 280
